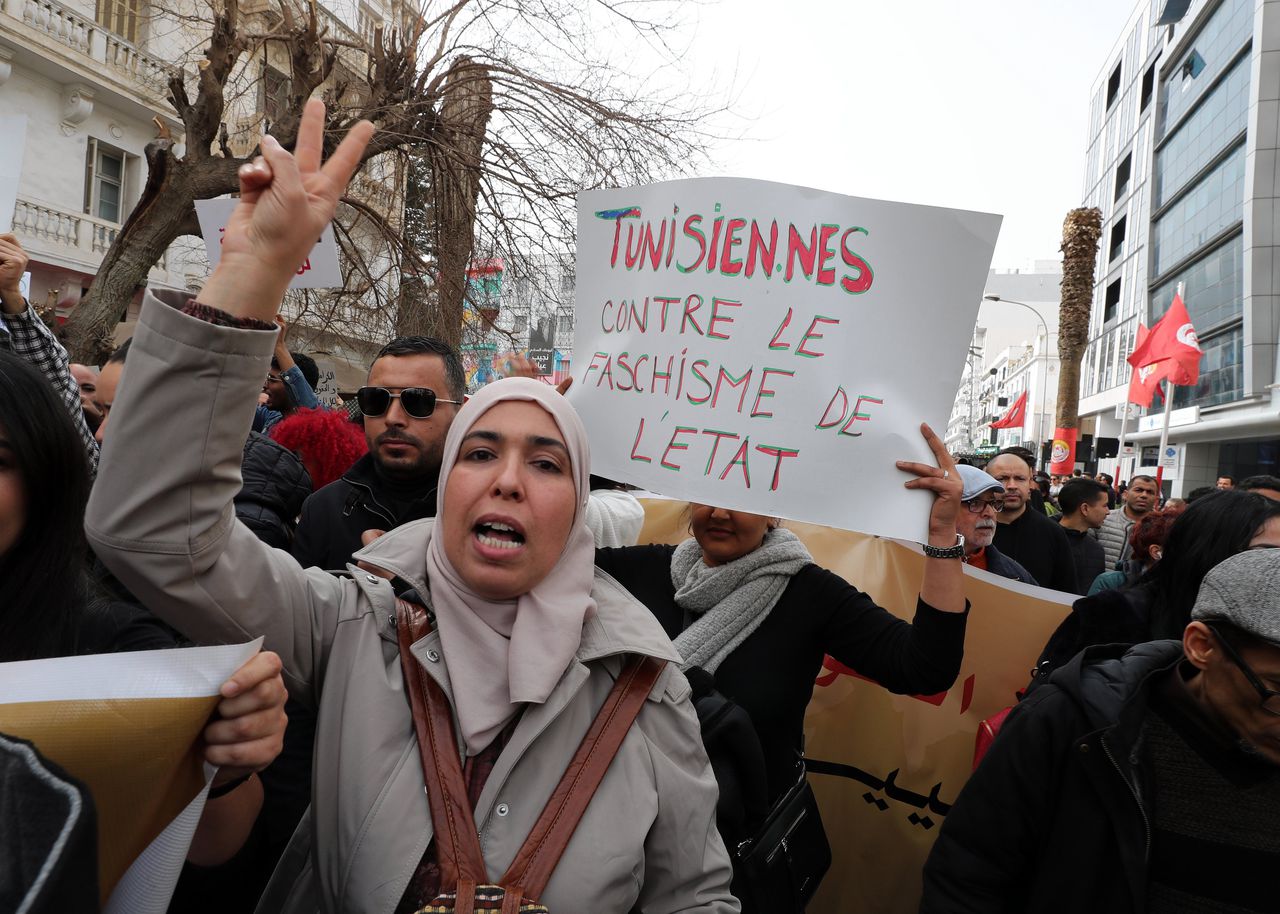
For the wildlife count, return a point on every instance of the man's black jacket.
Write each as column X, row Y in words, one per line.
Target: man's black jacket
column 334, row 517
column 1056, row 817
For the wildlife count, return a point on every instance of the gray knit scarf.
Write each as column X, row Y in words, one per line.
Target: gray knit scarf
column 730, row 601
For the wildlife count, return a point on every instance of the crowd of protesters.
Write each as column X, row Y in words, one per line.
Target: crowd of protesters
column 457, row 547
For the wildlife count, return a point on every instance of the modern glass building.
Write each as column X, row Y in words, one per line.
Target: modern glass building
column 1183, row 164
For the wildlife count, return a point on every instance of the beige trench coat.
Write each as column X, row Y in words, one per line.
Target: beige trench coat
column 161, row 518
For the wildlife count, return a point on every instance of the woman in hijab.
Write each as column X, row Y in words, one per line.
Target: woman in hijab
column 526, row 641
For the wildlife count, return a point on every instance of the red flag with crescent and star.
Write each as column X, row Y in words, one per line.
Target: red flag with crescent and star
column 1171, row 347
column 1015, row 416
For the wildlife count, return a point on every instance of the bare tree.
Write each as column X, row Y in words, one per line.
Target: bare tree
column 1080, row 233
column 509, row 104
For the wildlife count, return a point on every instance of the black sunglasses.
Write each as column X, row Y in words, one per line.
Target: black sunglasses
column 418, row 402
column 1270, row 697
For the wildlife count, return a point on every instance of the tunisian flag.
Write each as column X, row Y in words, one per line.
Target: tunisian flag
column 1144, row 383
column 1172, row 347
column 1016, row 415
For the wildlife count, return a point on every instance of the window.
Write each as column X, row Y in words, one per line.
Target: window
column 120, row 17
column 1210, row 207
column 1148, row 86
column 1117, row 238
column 1113, row 86
column 566, row 322
column 521, row 324
column 1123, row 170
column 1111, row 304
column 275, row 94
column 104, row 182
column 367, row 24
column 1192, row 67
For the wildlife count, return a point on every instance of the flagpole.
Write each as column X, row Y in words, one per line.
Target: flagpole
column 1169, row 388
column 1164, row 436
column 1124, row 428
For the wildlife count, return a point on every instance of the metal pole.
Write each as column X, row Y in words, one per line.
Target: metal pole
column 1169, row 388
column 1124, row 428
column 1164, row 435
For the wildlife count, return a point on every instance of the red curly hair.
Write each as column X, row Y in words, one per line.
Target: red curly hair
column 326, row 441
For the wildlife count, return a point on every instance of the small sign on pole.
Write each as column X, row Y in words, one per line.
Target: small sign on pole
column 319, row 271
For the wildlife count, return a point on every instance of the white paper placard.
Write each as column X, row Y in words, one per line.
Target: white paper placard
column 197, row 672
column 13, row 138
column 771, row 348
column 319, row 271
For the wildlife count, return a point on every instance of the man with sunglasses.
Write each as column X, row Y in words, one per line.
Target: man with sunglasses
column 415, row 386
column 1142, row 779
column 983, row 497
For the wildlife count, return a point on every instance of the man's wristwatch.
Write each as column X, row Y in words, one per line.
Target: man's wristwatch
column 949, row 552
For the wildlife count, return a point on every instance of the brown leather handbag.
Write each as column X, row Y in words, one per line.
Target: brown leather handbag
column 457, row 843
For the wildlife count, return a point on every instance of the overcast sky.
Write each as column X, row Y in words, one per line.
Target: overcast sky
column 978, row 105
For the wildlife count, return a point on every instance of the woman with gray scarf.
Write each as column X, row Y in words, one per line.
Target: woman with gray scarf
column 743, row 600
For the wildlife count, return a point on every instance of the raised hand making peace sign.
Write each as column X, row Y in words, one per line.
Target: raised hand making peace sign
column 286, row 200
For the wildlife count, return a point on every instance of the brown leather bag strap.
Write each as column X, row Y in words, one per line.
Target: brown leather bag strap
column 531, row 870
column 457, row 843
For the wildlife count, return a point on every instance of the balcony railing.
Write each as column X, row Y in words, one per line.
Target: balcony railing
column 73, row 235
column 99, row 47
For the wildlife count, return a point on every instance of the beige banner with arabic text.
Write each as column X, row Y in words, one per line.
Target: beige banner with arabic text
column 897, row 761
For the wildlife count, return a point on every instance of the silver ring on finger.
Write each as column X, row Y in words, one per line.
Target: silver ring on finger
column 946, row 474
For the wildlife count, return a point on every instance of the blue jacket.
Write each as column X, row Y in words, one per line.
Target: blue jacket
column 300, row 394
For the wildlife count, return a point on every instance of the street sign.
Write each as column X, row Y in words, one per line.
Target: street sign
column 1169, row 456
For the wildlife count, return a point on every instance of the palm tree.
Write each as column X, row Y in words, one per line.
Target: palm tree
column 1080, row 233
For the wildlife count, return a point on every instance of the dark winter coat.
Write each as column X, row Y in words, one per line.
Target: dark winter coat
column 275, row 484
column 1055, row 819
column 1088, row 555
column 49, row 843
column 1001, row 564
column 334, row 517
column 1108, row 617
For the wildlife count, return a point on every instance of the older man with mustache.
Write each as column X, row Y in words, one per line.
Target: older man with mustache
column 983, row 497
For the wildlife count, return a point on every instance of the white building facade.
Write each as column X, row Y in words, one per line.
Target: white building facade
column 1014, row 350
column 89, row 77
column 1183, row 164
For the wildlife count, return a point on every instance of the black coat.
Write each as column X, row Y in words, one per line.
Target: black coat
column 1055, row 818
column 1108, row 617
column 771, row 673
column 334, row 517
column 275, row 484
column 1001, row 564
column 1039, row 545
column 1089, row 557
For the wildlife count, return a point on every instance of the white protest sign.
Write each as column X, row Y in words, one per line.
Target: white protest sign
column 770, row 348
column 327, row 386
column 13, row 138
column 319, row 271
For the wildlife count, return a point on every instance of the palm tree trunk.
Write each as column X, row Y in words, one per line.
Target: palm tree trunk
column 1080, row 234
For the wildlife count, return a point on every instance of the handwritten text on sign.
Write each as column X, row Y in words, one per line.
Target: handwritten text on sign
column 319, row 271
column 771, row 348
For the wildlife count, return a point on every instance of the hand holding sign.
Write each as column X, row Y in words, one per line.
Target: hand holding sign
column 286, row 201
column 13, row 264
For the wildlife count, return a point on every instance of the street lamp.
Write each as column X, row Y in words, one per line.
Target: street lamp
column 1045, row 374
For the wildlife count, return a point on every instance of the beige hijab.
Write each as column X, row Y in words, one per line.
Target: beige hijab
column 503, row 654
